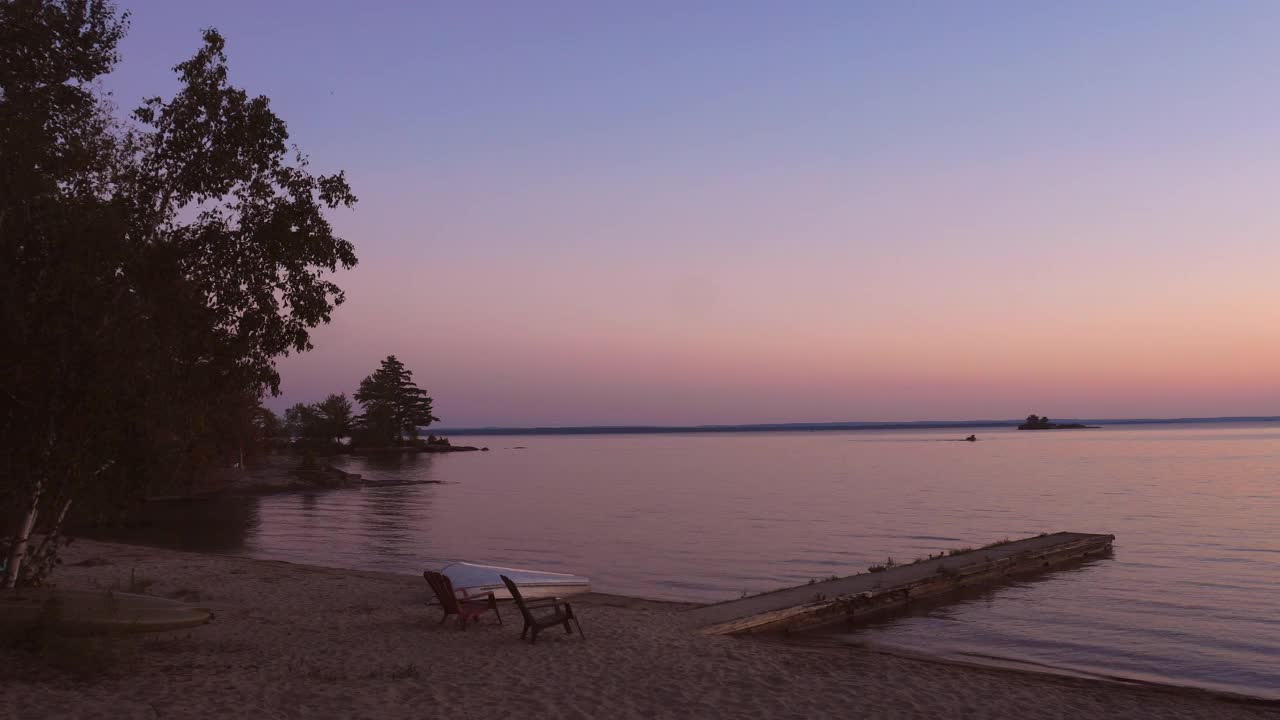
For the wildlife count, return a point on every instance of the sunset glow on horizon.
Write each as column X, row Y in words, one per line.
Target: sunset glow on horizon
column 738, row 214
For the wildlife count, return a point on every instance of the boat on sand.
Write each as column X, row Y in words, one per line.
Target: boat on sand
column 479, row 579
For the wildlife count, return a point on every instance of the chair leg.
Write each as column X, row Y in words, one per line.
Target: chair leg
column 443, row 618
column 575, row 622
column 534, row 639
column 497, row 614
column 567, row 630
column 524, row 631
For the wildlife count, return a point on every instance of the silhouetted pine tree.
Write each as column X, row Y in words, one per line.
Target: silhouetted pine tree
column 394, row 406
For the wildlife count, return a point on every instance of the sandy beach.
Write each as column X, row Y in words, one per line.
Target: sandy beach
column 300, row 641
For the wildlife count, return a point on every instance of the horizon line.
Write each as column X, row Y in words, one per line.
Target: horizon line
column 815, row 426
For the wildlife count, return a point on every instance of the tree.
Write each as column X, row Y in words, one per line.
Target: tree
column 302, row 421
column 376, row 426
column 234, row 430
column 394, row 406
column 320, row 422
column 336, row 417
column 151, row 269
column 270, row 426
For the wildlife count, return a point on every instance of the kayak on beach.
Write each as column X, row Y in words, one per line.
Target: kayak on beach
column 97, row 611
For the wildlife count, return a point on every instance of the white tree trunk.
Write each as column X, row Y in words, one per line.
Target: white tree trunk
column 55, row 529
column 18, row 548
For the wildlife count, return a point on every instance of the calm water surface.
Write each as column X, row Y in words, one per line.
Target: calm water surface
column 1191, row 595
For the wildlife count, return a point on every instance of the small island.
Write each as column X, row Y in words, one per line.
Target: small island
column 1035, row 422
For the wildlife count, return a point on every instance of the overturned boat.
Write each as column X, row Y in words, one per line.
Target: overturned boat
column 479, row 579
column 96, row 611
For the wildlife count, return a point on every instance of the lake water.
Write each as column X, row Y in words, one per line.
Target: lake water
column 1191, row 594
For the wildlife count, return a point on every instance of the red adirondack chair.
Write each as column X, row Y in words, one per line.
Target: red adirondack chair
column 468, row 608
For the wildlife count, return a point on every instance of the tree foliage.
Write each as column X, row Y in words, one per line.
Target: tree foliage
column 152, row 269
column 337, row 415
column 394, row 406
column 323, row 422
column 269, row 425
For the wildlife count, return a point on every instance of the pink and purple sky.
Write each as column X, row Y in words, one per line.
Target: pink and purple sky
column 681, row 213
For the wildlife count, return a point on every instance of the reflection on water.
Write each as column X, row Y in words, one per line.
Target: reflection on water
column 1189, row 596
column 396, row 466
column 224, row 525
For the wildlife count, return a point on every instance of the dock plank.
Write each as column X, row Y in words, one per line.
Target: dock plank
column 868, row 593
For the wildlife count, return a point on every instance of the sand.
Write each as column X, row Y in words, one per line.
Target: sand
column 294, row 641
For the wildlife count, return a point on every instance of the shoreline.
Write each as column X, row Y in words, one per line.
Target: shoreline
column 994, row 663
column 304, row 640
column 281, row 472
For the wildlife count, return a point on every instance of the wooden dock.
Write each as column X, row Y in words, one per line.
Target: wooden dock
column 859, row 596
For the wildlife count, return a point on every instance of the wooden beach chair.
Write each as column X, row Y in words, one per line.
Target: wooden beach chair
column 561, row 613
column 467, row 607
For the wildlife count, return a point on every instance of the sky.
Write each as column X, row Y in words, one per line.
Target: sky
column 733, row 212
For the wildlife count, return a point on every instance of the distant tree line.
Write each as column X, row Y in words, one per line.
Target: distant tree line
column 393, row 409
column 152, row 269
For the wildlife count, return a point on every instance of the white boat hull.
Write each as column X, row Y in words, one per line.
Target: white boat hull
column 533, row 584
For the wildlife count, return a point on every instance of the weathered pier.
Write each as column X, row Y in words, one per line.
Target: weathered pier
column 860, row 596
